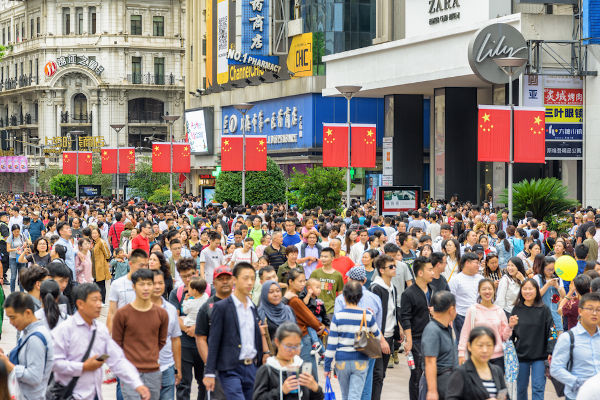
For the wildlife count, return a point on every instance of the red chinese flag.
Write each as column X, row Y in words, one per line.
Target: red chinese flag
column 70, row 163
column 181, row 158
column 530, row 135
column 364, row 145
column 256, row 153
column 231, row 153
column 161, row 157
column 126, row 160
column 335, row 145
column 493, row 134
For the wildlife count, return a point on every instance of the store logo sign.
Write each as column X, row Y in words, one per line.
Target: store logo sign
column 50, row 68
column 82, row 61
column 494, row 41
column 440, row 6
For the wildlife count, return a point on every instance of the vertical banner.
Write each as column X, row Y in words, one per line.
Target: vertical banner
column 24, row 164
column 2, row 164
column 222, row 30
column 255, row 27
column 210, row 57
column 9, row 164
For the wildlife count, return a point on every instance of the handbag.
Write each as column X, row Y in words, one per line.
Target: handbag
column 329, row 393
column 58, row 391
column 511, row 361
column 364, row 340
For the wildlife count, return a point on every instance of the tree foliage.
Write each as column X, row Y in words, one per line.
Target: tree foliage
column 261, row 186
column 543, row 197
column 318, row 187
column 145, row 182
column 62, row 185
column 161, row 195
column 50, row 175
column 98, row 178
column 45, row 177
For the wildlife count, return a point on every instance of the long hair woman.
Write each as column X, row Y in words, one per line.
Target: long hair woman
column 510, row 285
column 158, row 261
column 451, row 248
column 492, row 269
column 552, row 290
column 51, row 312
column 531, row 335
column 504, row 248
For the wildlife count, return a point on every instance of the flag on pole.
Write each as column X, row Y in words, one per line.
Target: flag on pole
column 126, row 160
column 161, row 157
column 70, row 162
column 530, row 135
column 231, row 153
column 493, row 133
column 364, row 145
column 335, row 145
column 256, row 153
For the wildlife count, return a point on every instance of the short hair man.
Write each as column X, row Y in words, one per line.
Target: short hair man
column 140, row 329
column 465, row 287
column 71, row 340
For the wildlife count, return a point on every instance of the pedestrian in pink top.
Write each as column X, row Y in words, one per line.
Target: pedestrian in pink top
column 486, row 313
column 83, row 262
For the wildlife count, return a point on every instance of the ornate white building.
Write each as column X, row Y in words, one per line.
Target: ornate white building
column 82, row 66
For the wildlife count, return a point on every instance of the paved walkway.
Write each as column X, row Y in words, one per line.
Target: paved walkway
column 394, row 388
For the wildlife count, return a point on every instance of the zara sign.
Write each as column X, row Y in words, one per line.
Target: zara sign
column 495, row 41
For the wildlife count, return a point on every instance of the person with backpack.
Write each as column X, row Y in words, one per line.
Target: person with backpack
column 575, row 356
column 32, row 358
column 16, row 244
column 256, row 232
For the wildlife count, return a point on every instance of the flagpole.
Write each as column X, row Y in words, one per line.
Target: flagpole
column 170, row 121
column 76, row 134
column 117, row 128
column 243, row 109
column 510, row 66
column 348, row 92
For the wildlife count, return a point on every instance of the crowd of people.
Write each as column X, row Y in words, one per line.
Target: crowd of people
column 249, row 302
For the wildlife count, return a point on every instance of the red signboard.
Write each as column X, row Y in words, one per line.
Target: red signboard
column 567, row 97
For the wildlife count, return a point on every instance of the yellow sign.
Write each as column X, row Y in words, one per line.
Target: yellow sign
column 237, row 72
column 568, row 114
column 60, row 144
column 300, row 56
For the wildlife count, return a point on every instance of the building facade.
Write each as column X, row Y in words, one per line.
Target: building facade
column 82, row 66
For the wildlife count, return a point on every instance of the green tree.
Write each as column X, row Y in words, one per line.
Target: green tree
column 63, row 185
column 161, row 195
column 261, row 186
column 145, row 182
column 45, row 177
column 318, row 187
column 543, row 197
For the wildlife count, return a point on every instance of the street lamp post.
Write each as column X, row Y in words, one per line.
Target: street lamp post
column 243, row 108
column 511, row 67
column 76, row 134
column 36, row 187
column 171, row 120
column 348, row 92
column 117, row 128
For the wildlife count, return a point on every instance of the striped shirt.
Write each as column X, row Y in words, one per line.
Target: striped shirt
column 490, row 386
column 340, row 343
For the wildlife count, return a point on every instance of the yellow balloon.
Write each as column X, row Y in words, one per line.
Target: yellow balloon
column 566, row 268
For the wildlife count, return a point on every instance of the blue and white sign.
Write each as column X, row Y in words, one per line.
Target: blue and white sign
column 564, row 132
column 255, row 27
column 296, row 122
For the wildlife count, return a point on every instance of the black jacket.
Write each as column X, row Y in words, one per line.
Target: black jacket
column 268, row 381
column 224, row 340
column 384, row 295
column 465, row 383
column 499, row 224
column 414, row 310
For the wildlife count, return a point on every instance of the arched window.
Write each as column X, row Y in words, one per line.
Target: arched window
column 80, row 111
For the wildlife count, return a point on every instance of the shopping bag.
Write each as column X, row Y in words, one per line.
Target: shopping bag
column 511, row 362
column 329, row 393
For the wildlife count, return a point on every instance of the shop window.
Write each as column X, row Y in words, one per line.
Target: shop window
column 136, row 24
column 158, row 26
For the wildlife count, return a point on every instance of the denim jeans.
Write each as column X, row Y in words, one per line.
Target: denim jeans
column 15, row 267
column 314, row 338
column 352, row 375
column 538, row 379
column 367, row 393
column 306, row 356
column 167, row 387
column 238, row 383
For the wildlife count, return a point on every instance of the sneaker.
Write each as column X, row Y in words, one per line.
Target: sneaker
column 316, row 348
column 395, row 357
column 391, row 363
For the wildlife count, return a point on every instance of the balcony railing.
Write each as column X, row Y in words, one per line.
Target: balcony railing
column 151, row 79
column 78, row 118
column 21, row 81
column 16, row 120
column 144, row 116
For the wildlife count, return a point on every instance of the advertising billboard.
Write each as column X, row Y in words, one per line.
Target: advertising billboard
column 395, row 199
column 198, row 130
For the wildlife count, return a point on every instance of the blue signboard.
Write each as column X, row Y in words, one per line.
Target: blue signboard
column 296, row 122
column 564, row 132
column 255, row 27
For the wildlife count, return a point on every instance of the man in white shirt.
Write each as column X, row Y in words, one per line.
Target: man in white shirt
column 211, row 257
column 464, row 286
column 357, row 249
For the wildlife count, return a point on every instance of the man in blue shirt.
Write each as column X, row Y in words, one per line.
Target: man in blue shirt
column 586, row 350
column 36, row 226
column 64, row 230
column 290, row 236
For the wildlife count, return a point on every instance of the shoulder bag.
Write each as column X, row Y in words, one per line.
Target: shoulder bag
column 364, row 340
column 57, row 391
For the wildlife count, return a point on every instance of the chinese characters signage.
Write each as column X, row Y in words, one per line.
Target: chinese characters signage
column 86, row 143
column 255, row 27
column 75, row 59
column 564, row 114
column 572, row 150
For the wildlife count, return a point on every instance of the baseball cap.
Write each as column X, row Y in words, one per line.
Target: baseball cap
column 477, row 248
column 223, row 269
column 357, row 273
